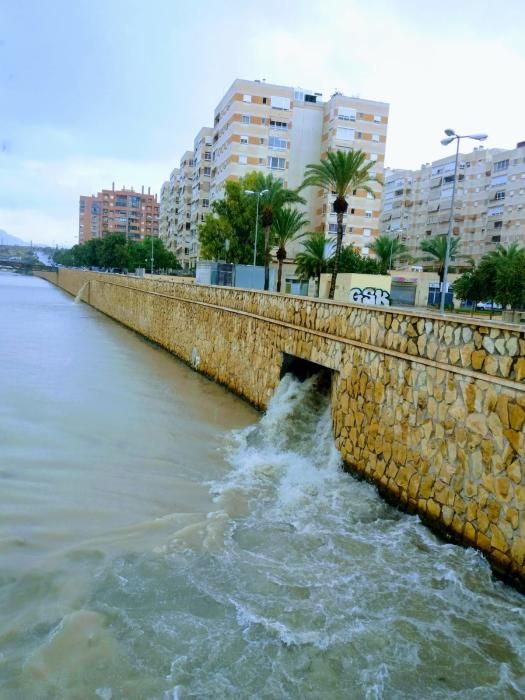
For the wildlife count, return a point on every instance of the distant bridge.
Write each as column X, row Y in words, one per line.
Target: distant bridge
column 23, row 266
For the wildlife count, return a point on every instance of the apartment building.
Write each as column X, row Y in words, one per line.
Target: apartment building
column 164, row 208
column 181, row 242
column 136, row 214
column 489, row 206
column 200, row 190
column 279, row 129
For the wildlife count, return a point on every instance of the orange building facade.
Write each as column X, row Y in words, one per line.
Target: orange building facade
column 135, row 214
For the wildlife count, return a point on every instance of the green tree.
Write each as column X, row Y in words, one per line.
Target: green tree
column 388, row 250
column 231, row 219
column 509, row 265
column 114, row 251
column 216, row 238
column 312, row 261
column 338, row 173
column 352, row 261
column 436, row 248
column 287, row 223
column 276, row 196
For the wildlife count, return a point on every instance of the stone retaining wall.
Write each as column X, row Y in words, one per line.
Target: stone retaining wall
column 432, row 410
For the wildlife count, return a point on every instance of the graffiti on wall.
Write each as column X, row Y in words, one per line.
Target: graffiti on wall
column 369, row 295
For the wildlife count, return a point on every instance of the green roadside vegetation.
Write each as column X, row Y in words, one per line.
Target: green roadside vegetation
column 115, row 251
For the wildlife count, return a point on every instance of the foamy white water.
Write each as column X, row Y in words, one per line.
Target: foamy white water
column 221, row 561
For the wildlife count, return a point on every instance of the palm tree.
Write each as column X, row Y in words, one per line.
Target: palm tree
column 286, row 225
column 339, row 172
column 437, row 248
column 275, row 197
column 387, row 250
column 501, row 253
column 313, row 260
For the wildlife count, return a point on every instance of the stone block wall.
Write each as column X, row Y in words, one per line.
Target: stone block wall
column 432, row 410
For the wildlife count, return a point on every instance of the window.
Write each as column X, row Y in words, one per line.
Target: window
column 243, row 159
column 501, row 164
column 278, row 102
column 244, row 140
column 498, row 224
column 277, row 143
column 368, row 214
column 499, row 195
column 345, row 134
column 498, row 180
column 205, row 203
column 245, row 119
column 375, row 138
column 359, row 135
column 332, row 228
column 207, row 171
column 276, row 163
column 494, row 211
column 377, row 118
column 207, row 155
column 246, row 98
column 275, row 124
column 347, row 114
column 261, row 141
column 121, row 201
column 367, row 232
column 264, row 99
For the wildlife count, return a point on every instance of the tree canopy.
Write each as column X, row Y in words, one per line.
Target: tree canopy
column 115, row 251
column 499, row 277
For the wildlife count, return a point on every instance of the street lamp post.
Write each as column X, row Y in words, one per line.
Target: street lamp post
column 451, row 135
column 152, row 255
column 258, row 195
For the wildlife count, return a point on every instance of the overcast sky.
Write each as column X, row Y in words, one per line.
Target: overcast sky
column 93, row 91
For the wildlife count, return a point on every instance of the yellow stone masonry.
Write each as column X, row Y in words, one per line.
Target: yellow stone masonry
column 431, row 410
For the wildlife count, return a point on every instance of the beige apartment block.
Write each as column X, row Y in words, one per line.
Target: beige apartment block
column 200, row 191
column 280, row 130
column 489, row 204
column 164, row 211
column 183, row 197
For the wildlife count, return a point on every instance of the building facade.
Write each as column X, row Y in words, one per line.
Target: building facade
column 489, row 206
column 135, row 214
column 280, row 130
column 277, row 129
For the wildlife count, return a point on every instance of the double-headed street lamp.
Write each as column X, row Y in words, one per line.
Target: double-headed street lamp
column 451, row 135
column 258, row 194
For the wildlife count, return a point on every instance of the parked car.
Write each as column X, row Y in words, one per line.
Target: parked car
column 488, row 305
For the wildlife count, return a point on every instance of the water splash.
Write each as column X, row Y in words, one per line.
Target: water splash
column 78, row 297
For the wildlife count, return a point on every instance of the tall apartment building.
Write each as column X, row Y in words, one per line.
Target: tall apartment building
column 164, row 208
column 280, row 130
column 489, row 203
column 183, row 194
column 200, row 190
column 136, row 214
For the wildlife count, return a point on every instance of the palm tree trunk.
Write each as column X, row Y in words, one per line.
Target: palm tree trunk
column 279, row 275
column 337, row 255
column 266, row 258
